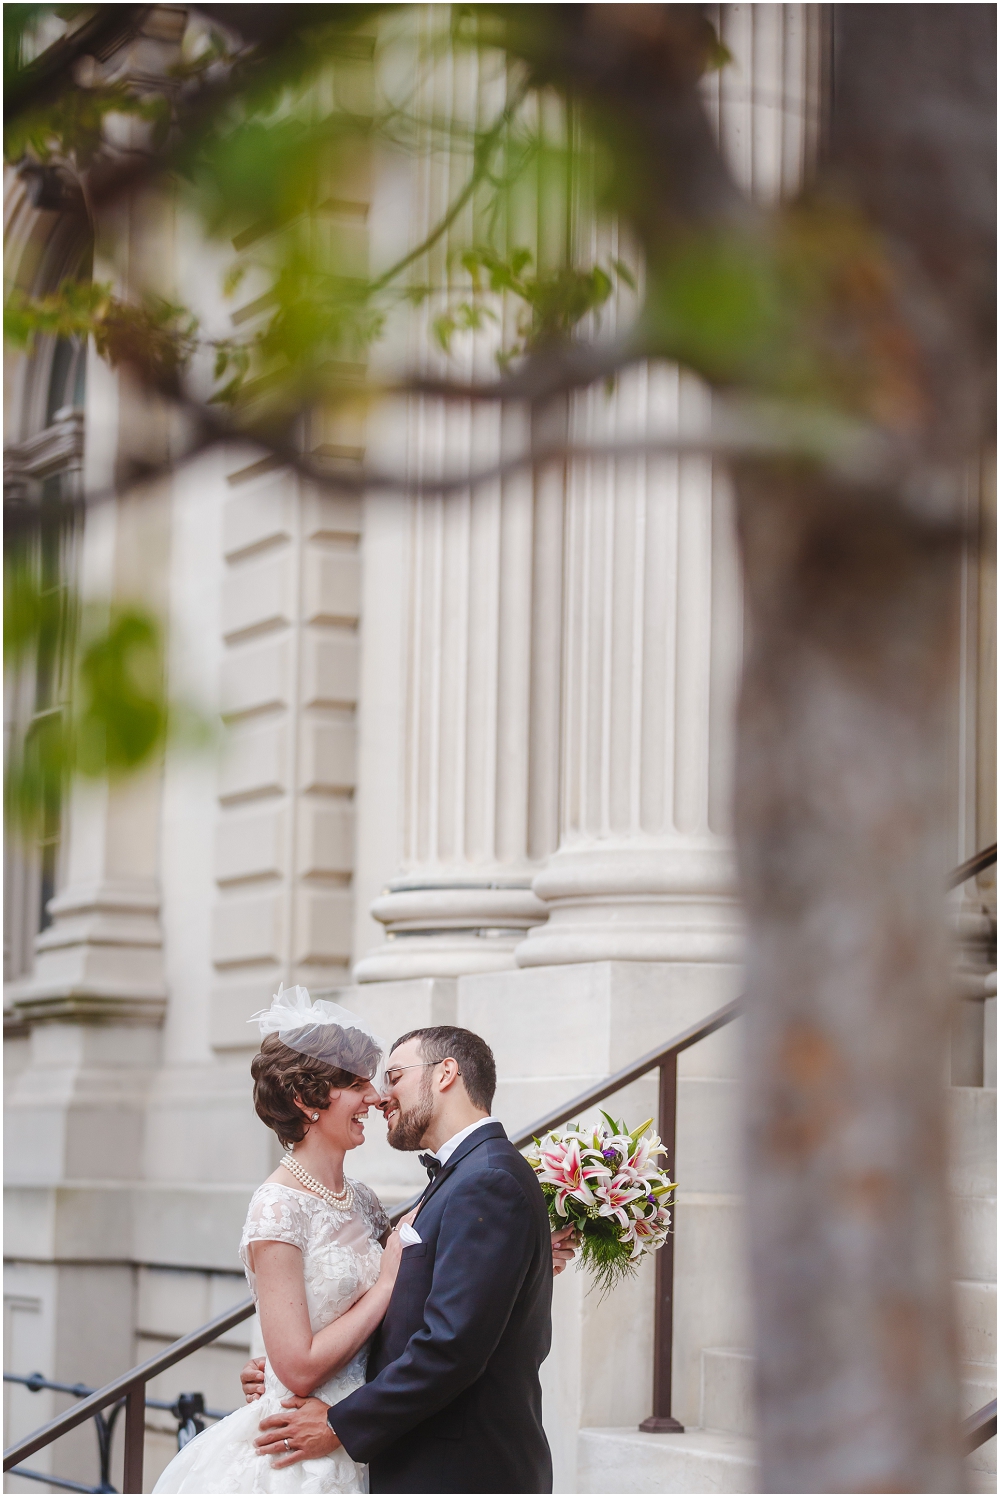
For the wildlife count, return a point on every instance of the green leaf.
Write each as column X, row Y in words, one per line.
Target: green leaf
column 625, row 274
column 443, row 328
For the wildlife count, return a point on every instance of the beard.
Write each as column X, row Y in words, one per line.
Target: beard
column 411, row 1126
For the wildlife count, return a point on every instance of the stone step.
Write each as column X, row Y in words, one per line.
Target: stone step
column 626, row 1460
column 972, row 1112
column 727, row 1390
column 978, row 1385
column 701, row 1460
column 727, row 1393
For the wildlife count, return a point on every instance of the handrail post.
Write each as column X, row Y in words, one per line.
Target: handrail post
column 135, row 1435
column 661, row 1422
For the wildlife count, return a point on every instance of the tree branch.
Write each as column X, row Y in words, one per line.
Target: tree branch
column 740, row 430
column 43, row 80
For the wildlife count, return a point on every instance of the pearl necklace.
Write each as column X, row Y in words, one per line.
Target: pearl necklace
column 342, row 1202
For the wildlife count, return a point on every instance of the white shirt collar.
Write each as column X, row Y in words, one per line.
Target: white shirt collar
column 447, row 1149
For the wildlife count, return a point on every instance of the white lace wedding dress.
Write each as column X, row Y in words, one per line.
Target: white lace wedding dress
column 340, row 1259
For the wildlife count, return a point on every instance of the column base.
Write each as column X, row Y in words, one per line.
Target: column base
column 449, row 929
column 448, row 954
column 100, row 961
column 667, row 901
column 658, row 1424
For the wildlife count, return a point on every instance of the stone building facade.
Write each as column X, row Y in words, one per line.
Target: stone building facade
column 475, row 769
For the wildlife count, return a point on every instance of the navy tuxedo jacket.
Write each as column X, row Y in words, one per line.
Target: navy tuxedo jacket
column 453, row 1402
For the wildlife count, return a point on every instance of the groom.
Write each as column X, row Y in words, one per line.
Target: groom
column 453, row 1402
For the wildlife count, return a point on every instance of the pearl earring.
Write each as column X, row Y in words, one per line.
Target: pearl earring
column 315, row 1117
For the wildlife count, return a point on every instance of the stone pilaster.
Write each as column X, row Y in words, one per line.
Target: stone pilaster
column 284, row 835
column 100, row 958
column 95, row 995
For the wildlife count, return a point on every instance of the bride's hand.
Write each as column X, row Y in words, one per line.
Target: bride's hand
column 252, row 1379
column 392, row 1252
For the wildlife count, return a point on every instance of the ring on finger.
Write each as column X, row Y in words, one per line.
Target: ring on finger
column 287, row 1445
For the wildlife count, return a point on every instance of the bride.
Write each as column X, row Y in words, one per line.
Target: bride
column 310, row 1247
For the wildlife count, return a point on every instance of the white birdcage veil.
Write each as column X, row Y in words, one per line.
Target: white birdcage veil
column 322, row 1030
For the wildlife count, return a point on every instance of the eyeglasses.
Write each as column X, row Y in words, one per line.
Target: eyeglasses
column 393, row 1076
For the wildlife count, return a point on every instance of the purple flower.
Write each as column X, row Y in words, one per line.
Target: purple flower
column 609, row 1154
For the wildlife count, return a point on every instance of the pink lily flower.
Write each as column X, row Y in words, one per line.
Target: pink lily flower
column 615, row 1196
column 567, row 1171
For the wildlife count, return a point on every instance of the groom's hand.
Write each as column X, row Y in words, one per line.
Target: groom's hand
column 301, row 1433
column 564, row 1245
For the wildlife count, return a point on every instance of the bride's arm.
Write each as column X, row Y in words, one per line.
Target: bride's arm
column 300, row 1359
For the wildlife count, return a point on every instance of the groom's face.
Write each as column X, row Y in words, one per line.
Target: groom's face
column 409, row 1105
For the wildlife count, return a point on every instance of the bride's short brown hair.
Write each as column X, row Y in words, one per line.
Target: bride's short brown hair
column 281, row 1074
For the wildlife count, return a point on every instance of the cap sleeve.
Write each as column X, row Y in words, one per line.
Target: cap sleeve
column 277, row 1215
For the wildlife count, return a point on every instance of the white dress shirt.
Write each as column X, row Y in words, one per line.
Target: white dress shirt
column 447, row 1149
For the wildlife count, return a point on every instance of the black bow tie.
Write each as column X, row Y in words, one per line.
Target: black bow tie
column 431, row 1164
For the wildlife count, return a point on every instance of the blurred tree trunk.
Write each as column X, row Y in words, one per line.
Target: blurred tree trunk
column 843, row 813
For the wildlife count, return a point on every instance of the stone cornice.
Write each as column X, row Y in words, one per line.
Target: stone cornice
column 27, row 1004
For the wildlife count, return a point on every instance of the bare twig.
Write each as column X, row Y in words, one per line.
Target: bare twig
column 483, row 156
column 553, row 369
column 739, row 430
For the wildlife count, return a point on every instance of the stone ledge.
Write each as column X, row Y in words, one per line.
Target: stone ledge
column 78, row 1006
column 626, row 1460
column 106, row 1221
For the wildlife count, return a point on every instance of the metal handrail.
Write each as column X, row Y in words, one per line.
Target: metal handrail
column 664, row 1059
column 132, row 1384
column 188, row 1409
column 979, row 1427
column 35, row 1383
column 661, row 1057
column 628, row 1074
column 603, row 1089
column 975, row 864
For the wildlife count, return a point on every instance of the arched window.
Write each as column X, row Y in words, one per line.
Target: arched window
column 67, row 378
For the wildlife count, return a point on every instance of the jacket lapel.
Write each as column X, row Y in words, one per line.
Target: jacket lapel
column 479, row 1136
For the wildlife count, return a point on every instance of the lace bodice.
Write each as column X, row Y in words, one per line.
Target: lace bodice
column 340, row 1259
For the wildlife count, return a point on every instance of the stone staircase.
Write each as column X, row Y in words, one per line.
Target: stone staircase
column 717, row 1453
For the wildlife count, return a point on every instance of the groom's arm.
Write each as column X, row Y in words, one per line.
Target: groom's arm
column 484, row 1249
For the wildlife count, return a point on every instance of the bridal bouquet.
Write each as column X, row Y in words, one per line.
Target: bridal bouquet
column 606, row 1182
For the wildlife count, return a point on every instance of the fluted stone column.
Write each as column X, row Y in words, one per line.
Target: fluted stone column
column 480, row 618
column 652, row 622
column 651, row 643
column 483, row 575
